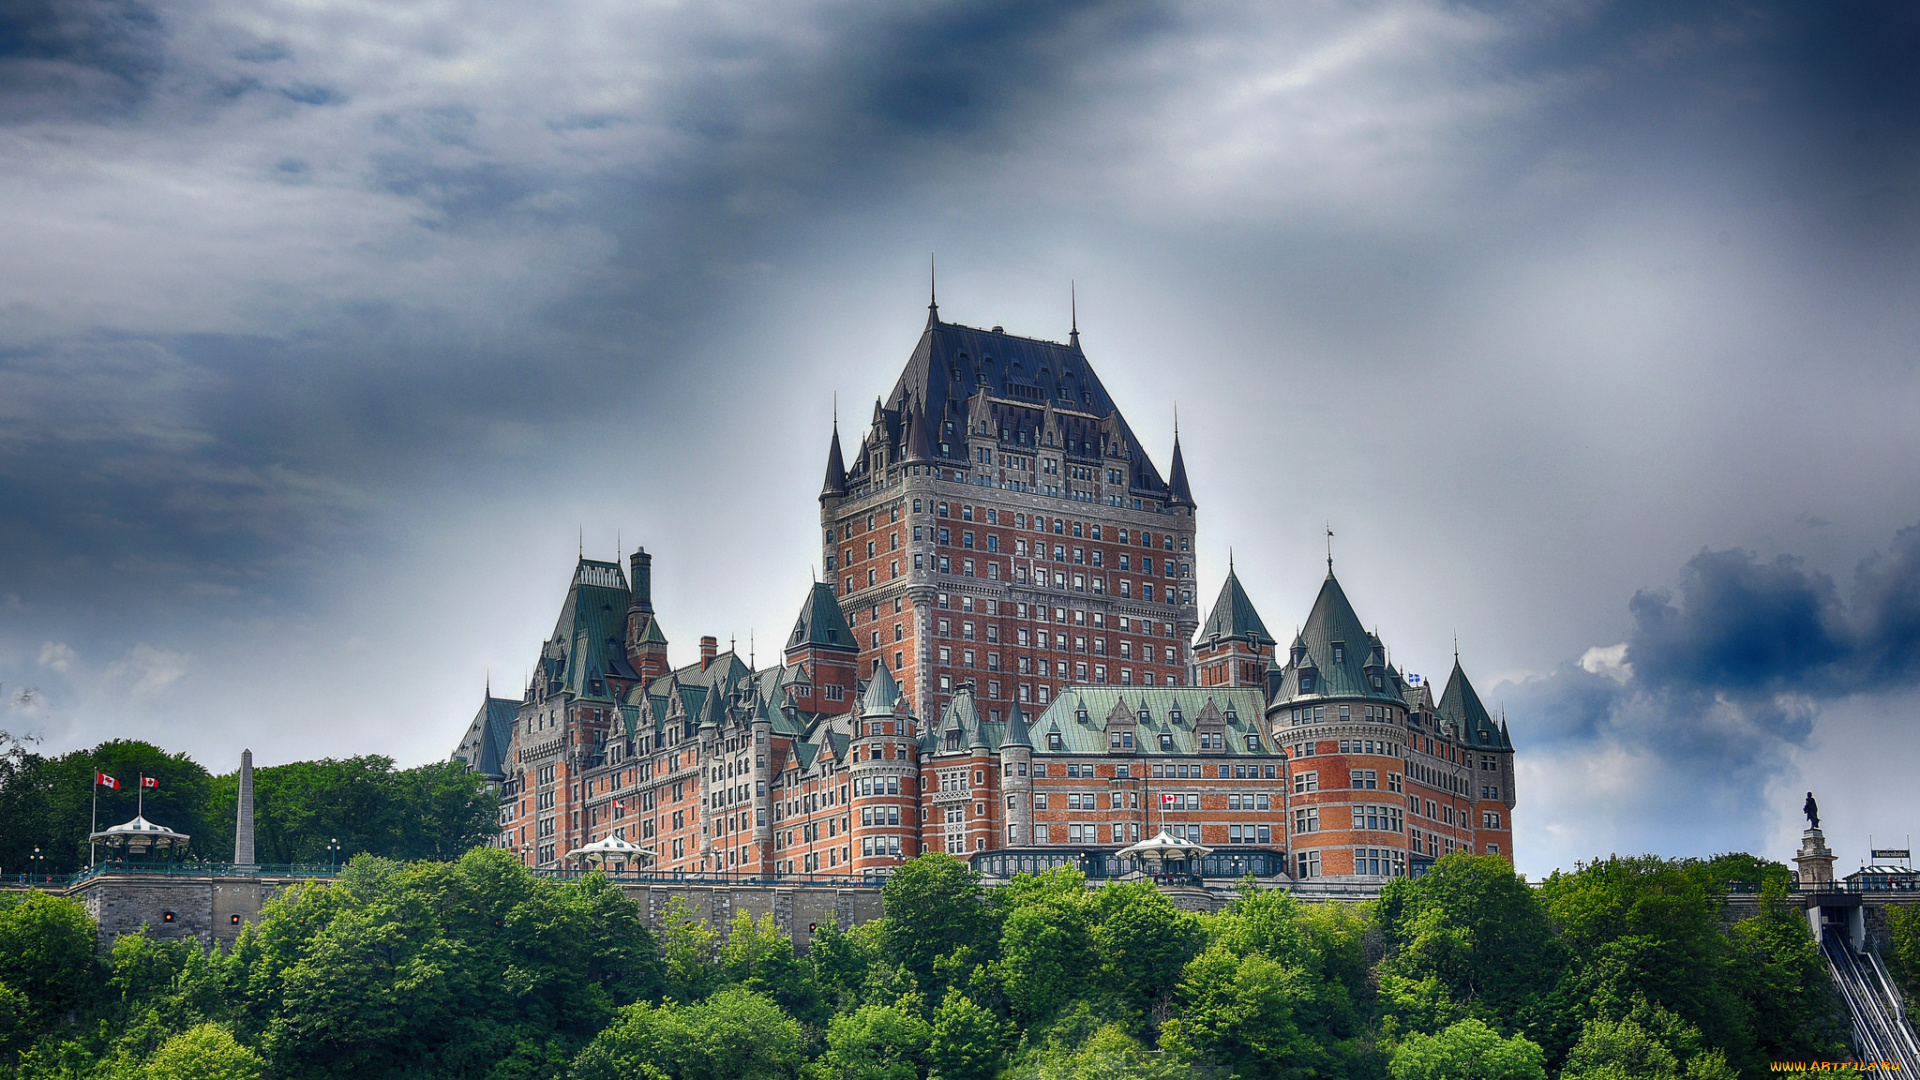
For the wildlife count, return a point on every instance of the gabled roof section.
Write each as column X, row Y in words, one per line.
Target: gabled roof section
column 821, row 623
column 1240, row 711
column 1460, row 705
column 1233, row 617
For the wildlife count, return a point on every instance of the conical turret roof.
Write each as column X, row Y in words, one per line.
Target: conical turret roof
column 1460, row 705
column 1233, row 617
column 836, row 484
column 1339, row 651
column 1178, row 494
column 1016, row 734
column 882, row 692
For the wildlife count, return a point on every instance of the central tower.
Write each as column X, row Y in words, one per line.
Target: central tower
column 999, row 526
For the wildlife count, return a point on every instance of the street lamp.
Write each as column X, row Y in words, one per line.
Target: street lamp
column 39, row 863
column 333, row 854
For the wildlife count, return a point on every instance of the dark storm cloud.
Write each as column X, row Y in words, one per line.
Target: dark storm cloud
column 1723, row 680
column 76, row 58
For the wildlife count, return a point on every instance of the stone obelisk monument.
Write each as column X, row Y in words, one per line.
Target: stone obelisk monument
column 243, row 828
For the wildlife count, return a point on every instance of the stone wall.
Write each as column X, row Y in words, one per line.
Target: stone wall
column 212, row 909
column 798, row 910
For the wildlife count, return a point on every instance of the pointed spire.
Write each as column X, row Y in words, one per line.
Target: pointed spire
column 1329, row 549
column 836, row 484
column 1016, row 733
column 1178, row 493
column 1073, row 307
column 933, row 296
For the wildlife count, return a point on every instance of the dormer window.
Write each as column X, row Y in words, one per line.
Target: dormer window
column 953, row 739
column 1306, row 684
column 1376, row 682
column 1166, row 742
column 1339, row 653
column 1053, row 740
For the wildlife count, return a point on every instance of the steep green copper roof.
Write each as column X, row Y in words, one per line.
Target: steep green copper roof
column 588, row 639
column 1016, row 733
column 653, row 635
column 881, row 693
column 1242, row 709
column 1233, row 617
column 1461, row 705
column 484, row 748
column 1333, row 622
column 821, row 622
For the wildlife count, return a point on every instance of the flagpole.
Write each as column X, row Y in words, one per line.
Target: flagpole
column 96, row 818
column 142, row 811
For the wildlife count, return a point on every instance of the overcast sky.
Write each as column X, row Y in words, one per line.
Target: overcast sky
column 327, row 329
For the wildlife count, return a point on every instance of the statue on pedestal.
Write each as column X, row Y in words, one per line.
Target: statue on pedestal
column 1812, row 810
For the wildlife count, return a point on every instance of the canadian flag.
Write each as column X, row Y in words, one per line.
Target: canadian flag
column 106, row 781
column 618, row 805
column 148, row 781
column 1165, row 799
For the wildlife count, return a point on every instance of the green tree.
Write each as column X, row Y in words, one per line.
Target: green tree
column 760, row 958
column 1142, row 942
column 1468, row 1050
column 1780, row 976
column 47, row 955
column 1646, row 927
column 205, row 1052
column 733, row 1035
column 1109, row 1054
column 48, row 802
column 841, row 961
column 876, row 1042
column 965, row 1042
column 934, row 908
column 687, row 947
column 1903, row 928
column 1046, row 943
column 1477, row 928
column 1240, row 1011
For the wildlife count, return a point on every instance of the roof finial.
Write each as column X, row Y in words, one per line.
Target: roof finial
column 1073, row 307
column 751, row 662
column 1229, row 560
column 1176, row 421
column 933, row 293
column 836, row 410
column 1456, row 648
column 1329, row 548
column 583, row 541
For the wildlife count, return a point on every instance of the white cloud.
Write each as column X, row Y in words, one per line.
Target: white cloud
column 57, row 656
column 145, row 670
column 1609, row 660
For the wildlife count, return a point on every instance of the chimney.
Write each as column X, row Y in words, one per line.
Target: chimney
column 641, row 565
column 709, row 646
column 243, row 827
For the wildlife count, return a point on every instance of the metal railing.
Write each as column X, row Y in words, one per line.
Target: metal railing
column 171, row 869
column 682, row 877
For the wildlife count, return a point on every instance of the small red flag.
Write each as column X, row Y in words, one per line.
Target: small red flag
column 105, row 780
column 148, row 781
column 1165, row 799
column 618, row 805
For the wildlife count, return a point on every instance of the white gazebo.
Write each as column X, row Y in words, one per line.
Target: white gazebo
column 611, row 848
column 1156, row 852
column 140, row 837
